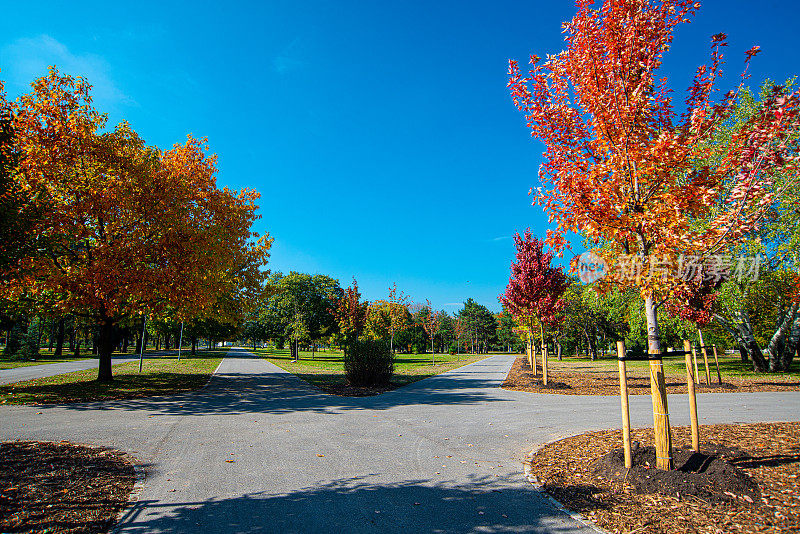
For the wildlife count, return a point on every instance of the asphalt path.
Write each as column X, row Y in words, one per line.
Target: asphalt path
column 259, row 450
column 18, row 374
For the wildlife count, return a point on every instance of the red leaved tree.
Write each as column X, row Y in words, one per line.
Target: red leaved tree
column 621, row 164
column 534, row 290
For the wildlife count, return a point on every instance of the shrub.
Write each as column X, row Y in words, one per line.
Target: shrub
column 368, row 363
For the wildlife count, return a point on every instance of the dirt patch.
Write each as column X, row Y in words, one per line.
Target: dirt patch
column 521, row 378
column 708, row 476
column 62, row 487
column 744, row 480
column 346, row 390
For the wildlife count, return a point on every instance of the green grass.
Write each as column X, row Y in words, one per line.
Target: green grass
column 326, row 369
column 160, row 376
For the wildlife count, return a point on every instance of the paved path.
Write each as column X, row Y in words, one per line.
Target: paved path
column 258, row 450
column 18, row 374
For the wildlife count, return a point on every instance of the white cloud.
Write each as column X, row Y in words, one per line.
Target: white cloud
column 287, row 59
column 26, row 59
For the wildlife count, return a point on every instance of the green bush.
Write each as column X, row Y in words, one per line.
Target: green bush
column 368, row 363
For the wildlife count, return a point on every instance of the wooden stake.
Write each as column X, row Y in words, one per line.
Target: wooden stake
column 623, row 396
column 530, row 360
column 716, row 361
column 705, row 357
column 694, row 357
column 692, row 399
column 658, row 393
column 544, row 364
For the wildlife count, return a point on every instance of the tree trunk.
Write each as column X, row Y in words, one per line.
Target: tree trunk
column 658, row 390
column 167, row 341
column 105, row 342
column 59, row 339
column 194, row 344
column 740, row 329
column 76, row 352
column 781, row 338
column 558, row 348
column 138, row 335
column 125, row 343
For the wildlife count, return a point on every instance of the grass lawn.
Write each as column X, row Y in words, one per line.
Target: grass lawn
column 160, row 376
column 42, row 360
column 326, row 369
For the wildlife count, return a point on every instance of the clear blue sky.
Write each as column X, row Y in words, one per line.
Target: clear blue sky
column 380, row 134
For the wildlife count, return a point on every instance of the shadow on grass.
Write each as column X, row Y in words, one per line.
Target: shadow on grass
column 355, row 505
column 122, row 387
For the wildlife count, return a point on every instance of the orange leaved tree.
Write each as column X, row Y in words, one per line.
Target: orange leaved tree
column 625, row 167
column 129, row 228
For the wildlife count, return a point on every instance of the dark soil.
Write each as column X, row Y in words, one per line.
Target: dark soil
column 62, row 487
column 346, row 390
column 521, row 378
column 708, row 476
column 758, row 465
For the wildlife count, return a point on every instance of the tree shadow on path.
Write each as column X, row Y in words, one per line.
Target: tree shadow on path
column 354, row 505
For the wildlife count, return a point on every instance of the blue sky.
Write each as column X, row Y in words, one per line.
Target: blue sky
column 380, row 134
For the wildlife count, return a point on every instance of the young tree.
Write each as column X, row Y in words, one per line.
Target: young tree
column 535, row 288
column 351, row 314
column 431, row 324
column 620, row 162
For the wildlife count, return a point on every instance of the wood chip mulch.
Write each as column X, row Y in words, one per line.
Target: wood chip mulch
column 62, row 487
column 767, row 454
column 521, row 378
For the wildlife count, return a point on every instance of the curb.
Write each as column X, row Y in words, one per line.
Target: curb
column 133, row 496
column 533, row 481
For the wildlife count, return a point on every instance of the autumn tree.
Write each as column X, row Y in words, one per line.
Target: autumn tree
column 351, row 314
column 619, row 162
column 431, row 324
column 18, row 211
column 534, row 290
column 398, row 313
column 132, row 229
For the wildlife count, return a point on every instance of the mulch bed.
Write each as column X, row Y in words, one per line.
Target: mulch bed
column 520, row 378
column 62, row 487
column 745, row 480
